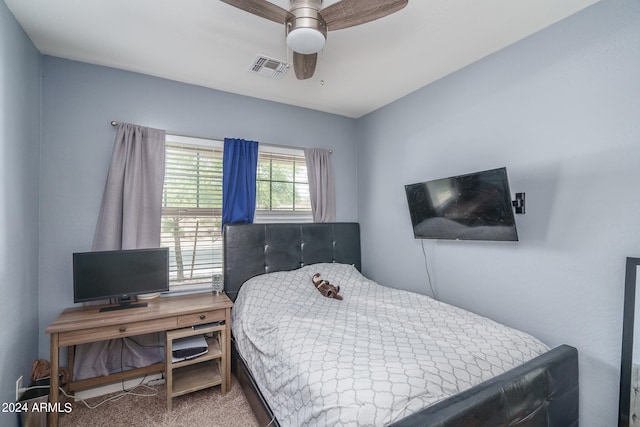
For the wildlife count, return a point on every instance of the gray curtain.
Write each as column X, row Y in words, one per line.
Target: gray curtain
column 321, row 184
column 130, row 218
column 131, row 208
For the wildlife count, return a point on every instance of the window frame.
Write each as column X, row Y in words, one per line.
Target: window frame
column 277, row 215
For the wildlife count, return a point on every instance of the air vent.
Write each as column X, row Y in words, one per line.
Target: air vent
column 269, row 67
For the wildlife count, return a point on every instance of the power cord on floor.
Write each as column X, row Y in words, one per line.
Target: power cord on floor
column 117, row 397
column 426, row 266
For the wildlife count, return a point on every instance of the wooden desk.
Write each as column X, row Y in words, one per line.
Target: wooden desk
column 79, row 325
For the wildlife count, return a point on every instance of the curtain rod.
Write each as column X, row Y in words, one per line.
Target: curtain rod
column 114, row 123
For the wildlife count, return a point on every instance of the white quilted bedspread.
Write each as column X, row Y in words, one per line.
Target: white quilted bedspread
column 368, row 360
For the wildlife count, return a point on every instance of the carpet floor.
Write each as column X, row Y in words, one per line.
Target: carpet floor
column 206, row 408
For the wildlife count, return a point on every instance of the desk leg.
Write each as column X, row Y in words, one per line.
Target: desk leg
column 71, row 353
column 227, row 367
column 53, row 390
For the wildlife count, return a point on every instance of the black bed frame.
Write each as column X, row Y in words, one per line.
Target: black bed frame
column 540, row 393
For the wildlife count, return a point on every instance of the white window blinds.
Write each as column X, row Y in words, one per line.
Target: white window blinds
column 192, row 211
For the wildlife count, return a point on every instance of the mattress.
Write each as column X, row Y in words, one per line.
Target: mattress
column 370, row 359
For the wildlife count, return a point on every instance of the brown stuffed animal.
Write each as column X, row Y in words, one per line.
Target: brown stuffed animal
column 326, row 288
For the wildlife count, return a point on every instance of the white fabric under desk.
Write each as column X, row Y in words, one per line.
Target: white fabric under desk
column 370, row 359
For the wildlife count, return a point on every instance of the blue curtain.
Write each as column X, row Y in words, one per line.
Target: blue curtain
column 239, row 165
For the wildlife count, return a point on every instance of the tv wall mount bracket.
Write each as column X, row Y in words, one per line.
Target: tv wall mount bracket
column 518, row 203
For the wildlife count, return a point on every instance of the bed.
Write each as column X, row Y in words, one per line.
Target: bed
column 536, row 387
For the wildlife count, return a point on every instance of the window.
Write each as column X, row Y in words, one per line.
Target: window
column 192, row 203
column 282, row 186
column 192, row 211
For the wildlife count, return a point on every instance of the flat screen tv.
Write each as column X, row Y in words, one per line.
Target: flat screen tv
column 475, row 206
column 120, row 275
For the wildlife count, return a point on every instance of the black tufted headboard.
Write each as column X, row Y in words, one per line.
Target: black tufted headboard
column 253, row 249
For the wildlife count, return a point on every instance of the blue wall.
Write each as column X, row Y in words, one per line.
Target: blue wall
column 79, row 102
column 19, row 163
column 561, row 110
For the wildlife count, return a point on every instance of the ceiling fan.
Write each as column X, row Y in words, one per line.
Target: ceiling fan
column 306, row 23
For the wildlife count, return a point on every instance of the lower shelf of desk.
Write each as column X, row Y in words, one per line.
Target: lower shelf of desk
column 196, row 377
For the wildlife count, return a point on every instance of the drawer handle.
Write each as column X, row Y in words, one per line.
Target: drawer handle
column 122, row 329
column 202, row 317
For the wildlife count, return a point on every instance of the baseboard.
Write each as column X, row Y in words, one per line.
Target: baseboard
column 152, row 379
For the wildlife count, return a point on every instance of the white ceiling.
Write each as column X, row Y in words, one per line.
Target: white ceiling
column 212, row 44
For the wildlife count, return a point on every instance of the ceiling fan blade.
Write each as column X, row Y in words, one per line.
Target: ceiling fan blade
column 304, row 65
column 349, row 13
column 262, row 8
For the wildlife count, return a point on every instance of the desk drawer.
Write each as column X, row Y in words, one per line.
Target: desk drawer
column 200, row 318
column 116, row 331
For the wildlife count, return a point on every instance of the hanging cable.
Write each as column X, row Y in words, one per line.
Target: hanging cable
column 426, row 266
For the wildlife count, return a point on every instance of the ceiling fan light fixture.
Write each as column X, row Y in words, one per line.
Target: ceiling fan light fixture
column 307, row 22
column 305, row 40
